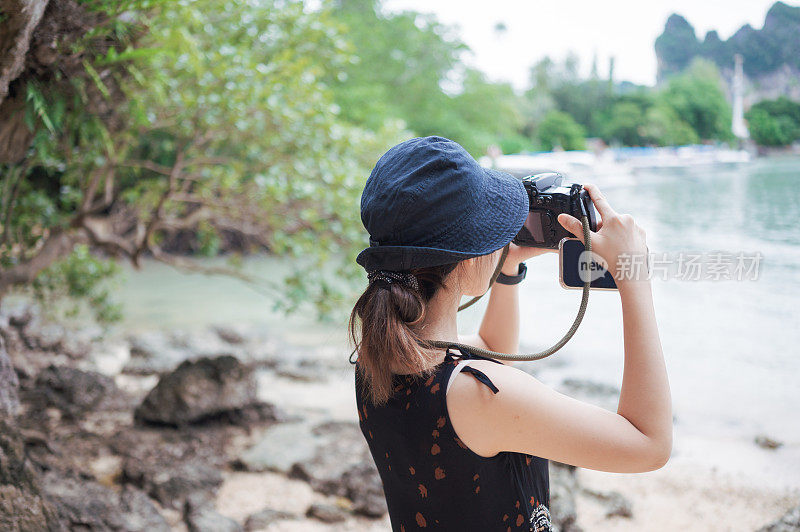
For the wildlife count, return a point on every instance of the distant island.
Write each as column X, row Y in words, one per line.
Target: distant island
column 771, row 55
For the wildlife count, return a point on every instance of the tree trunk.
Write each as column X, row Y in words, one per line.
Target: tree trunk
column 18, row 18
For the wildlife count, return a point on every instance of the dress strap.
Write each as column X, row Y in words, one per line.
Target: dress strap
column 481, row 376
column 463, row 366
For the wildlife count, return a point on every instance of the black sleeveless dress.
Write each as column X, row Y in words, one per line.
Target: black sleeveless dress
column 431, row 479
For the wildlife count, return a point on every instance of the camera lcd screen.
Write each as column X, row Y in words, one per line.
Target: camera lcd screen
column 572, row 266
column 533, row 223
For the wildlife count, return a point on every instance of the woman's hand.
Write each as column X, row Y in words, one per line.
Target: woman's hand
column 617, row 234
column 518, row 254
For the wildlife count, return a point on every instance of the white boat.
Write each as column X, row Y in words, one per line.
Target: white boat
column 581, row 166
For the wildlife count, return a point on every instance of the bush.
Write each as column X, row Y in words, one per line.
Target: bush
column 558, row 129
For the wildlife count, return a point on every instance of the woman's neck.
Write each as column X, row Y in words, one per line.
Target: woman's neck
column 440, row 321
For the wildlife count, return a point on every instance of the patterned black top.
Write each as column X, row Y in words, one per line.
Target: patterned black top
column 431, row 479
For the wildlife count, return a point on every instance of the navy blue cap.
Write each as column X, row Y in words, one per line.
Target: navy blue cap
column 428, row 202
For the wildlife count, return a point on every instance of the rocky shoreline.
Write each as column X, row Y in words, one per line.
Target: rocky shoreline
column 168, row 431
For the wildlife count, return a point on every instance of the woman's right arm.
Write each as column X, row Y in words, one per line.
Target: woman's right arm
column 527, row 416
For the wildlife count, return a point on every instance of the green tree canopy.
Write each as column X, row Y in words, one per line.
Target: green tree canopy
column 209, row 118
column 774, row 122
column 559, row 130
column 697, row 96
column 408, row 66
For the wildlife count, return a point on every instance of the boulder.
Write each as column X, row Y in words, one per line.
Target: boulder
column 9, row 384
column 153, row 353
column 332, row 457
column 23, row 504
column 765, row 442
column 74, row 391
column 265, row 518
column 326, row 513
column 788, row 522
column 617, row 505
column 340, row 448
column 281, row 447
column 230, row 334
column 140, row 514
column 172, row 484
column 86, row 505
column 362, row 485
column 200, row 516
column 563, row 487
column 199, row 390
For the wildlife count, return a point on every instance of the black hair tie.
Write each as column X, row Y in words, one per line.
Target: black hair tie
column 389, row 277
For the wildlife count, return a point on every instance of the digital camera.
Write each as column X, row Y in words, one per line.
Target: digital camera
column 549, row 196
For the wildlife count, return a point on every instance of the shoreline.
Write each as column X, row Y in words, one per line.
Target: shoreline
column 309, row 384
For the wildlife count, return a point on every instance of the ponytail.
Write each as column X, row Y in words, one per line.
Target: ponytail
column 387, row 312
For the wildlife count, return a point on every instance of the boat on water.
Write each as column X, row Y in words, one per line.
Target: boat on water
column 679, row 156
column 613, row 167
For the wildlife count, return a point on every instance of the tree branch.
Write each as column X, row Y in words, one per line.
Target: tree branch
column 58, row 244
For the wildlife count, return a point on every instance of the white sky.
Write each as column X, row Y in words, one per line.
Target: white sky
column 625, row 29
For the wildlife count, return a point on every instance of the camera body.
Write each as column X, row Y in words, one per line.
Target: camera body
column 549, row 195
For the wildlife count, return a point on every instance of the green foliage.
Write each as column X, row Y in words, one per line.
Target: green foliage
column 625, row 124
column 407, row 66
column 558, row 129
column 79, row 278
column 558, row 86
column 516, row 144
column 774, row 122
column 664, row 127
column 698, row 98
column 211, row 111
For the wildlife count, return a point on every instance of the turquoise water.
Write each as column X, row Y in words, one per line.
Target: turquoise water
column 730, row 346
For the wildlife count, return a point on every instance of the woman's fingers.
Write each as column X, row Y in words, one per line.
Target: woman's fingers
column 571, row 224
column 599, row 201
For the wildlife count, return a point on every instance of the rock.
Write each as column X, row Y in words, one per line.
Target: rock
column 563, row 486
column 326, row 513
column 363, row 486
column 75, row 347
column 74, row 391
column 84, row 504
column 616, row 504
column 200, row 516
column 589, row 387
column 172, row 484
column 302, row 373
column 281, row 447
column 47, row 337
column 19, row 314
column 23, row 504
column 340, row 448
column 788, row 522
column 265, row 518
column 766, row 442
column 332, row 457
column 140, row 514
column 199, row 390
column 14, row 342
column 153, row 353
column 230, row 334
column 9, row 384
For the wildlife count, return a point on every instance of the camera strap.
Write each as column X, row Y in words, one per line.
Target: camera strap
column 541, row 354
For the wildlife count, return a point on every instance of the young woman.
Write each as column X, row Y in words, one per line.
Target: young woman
column 462, row 442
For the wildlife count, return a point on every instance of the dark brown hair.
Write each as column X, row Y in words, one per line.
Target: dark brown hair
column 387, row 313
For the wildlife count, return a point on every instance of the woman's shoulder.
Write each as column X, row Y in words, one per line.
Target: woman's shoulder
column 473, row 406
